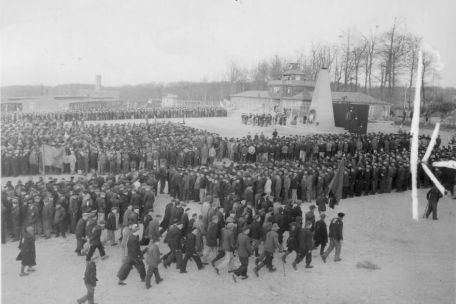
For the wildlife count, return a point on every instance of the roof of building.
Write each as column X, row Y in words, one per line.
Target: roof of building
column 357, row 97
column 306, row 95
column 253, row 94
column 293, row 72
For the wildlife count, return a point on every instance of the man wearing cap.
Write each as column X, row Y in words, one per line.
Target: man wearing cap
column 335, row 237
column 270, row 245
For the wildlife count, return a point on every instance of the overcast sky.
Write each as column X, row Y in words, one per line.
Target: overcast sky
column 130, row 42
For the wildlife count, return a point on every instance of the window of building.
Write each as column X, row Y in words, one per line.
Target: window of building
column 289, row 91
column 276, row 90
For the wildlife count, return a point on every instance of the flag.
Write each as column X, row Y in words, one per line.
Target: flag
column 337, row 182
column 53, row 156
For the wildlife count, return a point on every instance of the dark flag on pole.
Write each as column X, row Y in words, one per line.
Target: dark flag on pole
column 336, row 185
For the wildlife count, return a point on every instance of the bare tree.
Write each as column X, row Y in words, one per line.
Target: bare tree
column 276, row 67
column 430, row 69
column 237, row 76
column 260, row 75
column 358, row 55
column 370, row 43
column 412, row 61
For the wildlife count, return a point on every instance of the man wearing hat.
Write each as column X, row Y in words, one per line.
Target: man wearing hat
column 335, row 237
column 270, row 245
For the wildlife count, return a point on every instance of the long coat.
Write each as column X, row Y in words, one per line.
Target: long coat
column 321, row 232
column 305, row 239
column 27, row 254
column 153, row 255
column 244, row 246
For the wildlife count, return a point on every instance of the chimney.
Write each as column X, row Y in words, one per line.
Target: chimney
column 98, row 83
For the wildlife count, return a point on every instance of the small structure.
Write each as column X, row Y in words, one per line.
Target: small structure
column 321, row 112
column 293, row 93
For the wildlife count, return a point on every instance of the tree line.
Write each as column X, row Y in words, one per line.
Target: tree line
column 379, row 62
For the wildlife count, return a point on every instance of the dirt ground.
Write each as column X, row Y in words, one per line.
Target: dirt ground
column 416, row 260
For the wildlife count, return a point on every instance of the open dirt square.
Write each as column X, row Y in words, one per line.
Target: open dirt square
column 414, row 261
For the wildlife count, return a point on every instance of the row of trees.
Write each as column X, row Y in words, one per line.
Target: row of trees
column 380, row 63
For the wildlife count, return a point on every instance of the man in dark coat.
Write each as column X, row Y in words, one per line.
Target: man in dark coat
column 292, row 242
column 111, row 226
column 256, row 231
column 190, row 251
column 166, row 222
column 305, row 243
column 310, row 217
column 147, row 219
column 90, row 281
column 80, row 233
column 134, row 258
column 433, row 197
column 335, row 237
column 321, row 234
column 95, row 241
column 244, row 252
column 27, row 255
column 174, row 240
column 152, row 261
column 59, row 216
column 212, row 239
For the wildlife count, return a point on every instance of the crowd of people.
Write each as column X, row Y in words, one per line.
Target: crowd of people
column 250, row 189
column 116, row 114
column 264, row 120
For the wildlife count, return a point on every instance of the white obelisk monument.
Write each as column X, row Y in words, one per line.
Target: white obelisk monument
column 321, row 103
